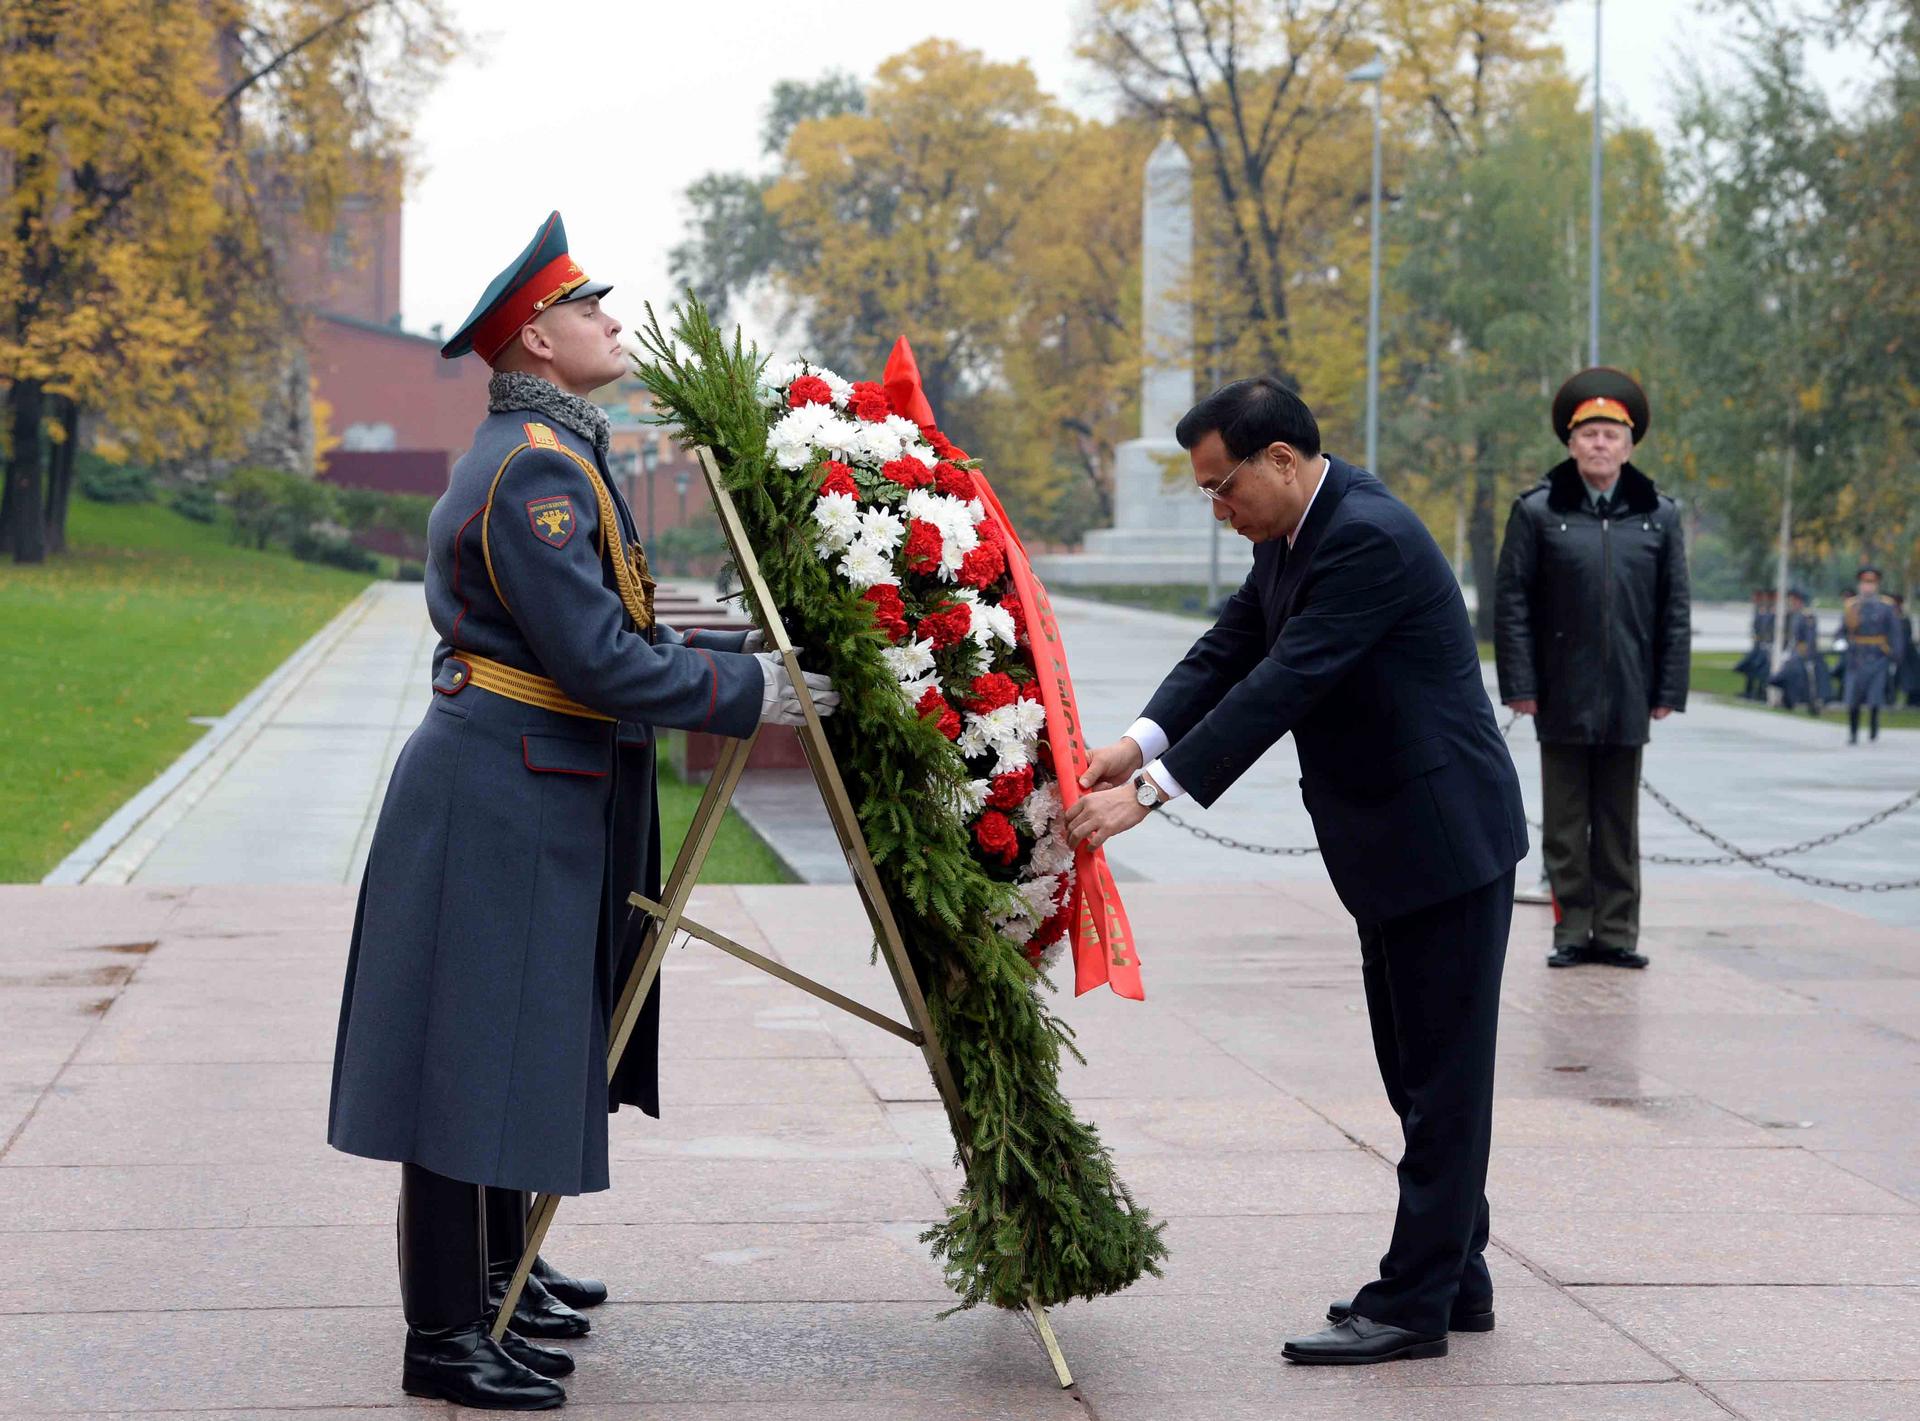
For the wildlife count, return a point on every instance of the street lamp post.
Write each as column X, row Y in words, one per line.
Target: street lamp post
column 1373, row 72
column 1593, row 208
column 682, row 477
column 650, row 460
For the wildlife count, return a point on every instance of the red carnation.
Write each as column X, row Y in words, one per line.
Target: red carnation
column 923, row 546
column 1030, row 691
column 942, row 445
column 933, row 705
column 1010, row 791
column 1049, row 932
column 1014, row 608
column 991, row 532
column 889, row 612
column 809, row 390
column 908, row 473
column 982, row 566
column 990, row 692
column 869, row 401
column 947, row 626
column 952, row 479
column 996, row 836
column 839, row 479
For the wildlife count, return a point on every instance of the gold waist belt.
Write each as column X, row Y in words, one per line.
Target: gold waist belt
column 518, row 685
column 1874, row 641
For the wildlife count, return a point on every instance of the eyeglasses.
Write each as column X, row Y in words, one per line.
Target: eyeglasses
column 1218, row 493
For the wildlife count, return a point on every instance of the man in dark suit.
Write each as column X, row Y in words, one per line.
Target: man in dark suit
column 1351, row 633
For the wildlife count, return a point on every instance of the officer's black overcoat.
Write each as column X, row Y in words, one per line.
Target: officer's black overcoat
column 479, row 988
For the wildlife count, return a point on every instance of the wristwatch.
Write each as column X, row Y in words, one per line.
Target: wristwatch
column 1145, row 792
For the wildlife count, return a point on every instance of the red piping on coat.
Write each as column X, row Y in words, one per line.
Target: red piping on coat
column 714, row 699
column 454, row 635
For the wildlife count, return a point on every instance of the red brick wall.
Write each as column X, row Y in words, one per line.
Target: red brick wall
column 372, row 377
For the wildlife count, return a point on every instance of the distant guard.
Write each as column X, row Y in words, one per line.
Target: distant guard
column 1872, row 638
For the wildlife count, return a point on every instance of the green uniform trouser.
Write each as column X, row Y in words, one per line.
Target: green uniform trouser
column 1591, row 842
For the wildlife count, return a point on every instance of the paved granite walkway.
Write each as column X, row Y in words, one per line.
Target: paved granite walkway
column 1705, row 1190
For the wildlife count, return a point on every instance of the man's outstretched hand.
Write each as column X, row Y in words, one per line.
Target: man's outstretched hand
column 1111, row 765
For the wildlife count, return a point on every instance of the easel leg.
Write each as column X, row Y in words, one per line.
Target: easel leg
column 1038, row 1316
column 538, row 1218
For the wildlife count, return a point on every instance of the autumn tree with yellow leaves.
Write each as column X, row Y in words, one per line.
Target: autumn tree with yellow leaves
column 143, row 150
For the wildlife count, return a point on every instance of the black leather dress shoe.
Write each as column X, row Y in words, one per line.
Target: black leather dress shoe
column 1569, row 954
column 538, row 1313
column 1358, row 1341
column 548, row 1361
column 1616, row 956
column 1465, row 1318
column 574, row 1292
column 466, row 1366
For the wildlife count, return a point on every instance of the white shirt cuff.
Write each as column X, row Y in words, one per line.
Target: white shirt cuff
column 1162, row 776
column 1151, row 739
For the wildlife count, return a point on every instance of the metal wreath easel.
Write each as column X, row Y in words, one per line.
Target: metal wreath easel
column 666, row 920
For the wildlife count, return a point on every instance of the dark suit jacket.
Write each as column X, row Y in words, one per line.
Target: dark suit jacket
column 1357, row 641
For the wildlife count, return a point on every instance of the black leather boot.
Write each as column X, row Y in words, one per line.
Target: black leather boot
column 538, row 1313
column 1467, row 1317
column 443, row 1290
column 548, row 1361
column 574, row 1292
column 466, row 1366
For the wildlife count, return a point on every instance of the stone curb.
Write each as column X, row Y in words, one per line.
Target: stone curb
column 114, row 852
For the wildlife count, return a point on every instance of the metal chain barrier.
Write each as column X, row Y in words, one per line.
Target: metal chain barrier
column 1730, row 852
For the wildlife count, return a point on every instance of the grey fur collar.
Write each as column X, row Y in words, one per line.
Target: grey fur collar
column 516, row 390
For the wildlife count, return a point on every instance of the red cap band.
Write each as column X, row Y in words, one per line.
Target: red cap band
column 524, row 302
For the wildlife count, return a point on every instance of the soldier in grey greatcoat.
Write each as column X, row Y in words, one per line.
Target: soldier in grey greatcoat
column 1872, row 636
column 486, row 952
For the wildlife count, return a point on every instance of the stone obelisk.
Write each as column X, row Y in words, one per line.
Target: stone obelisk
column 1161, row 525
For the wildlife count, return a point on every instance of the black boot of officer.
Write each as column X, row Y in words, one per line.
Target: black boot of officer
column 538, row 1313
column 450, row 1353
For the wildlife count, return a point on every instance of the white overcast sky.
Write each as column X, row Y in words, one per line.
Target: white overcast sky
column 607, row 109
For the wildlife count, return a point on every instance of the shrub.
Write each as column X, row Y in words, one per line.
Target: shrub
column 406, row 571
column 270, row 504
column 196, row 501
column 104, row 481
column 331, row 549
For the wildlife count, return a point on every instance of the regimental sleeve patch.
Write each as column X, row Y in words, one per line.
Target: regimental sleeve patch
column 540, row 436
column 551, row 519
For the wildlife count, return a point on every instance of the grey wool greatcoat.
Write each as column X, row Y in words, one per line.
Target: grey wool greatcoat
column 487, row 949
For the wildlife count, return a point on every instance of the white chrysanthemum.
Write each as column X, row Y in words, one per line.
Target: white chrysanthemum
column 990, row 623
column 1041, row 894
column 1029, row 718
column 1018, row 931
column 923, row 451
column 881, row 530
column 796, row 433
column 1052, row 854
column 907, row 431
column 863, row 567
column 912, row 691
column 838, row 517
column 911, row 662
column 1041, row 809
column 874, row 443
column 782, row 373
column 842, row 390
column 970, row 798
column 1013, row 755
column 841, row 436
column 975, row 738
column 976, row 511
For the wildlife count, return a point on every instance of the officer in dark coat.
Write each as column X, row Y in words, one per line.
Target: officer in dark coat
column 1803, row 678
column 486, row 953
column 1872, row 635
column 1591, row 638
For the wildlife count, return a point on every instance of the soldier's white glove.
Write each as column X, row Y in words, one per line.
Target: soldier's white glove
column 756, row 640
column 780, row 702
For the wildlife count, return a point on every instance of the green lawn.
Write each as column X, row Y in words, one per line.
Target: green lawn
column 739, row 855
column 106, row 651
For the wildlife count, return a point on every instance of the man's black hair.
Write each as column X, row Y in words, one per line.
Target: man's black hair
column 1250, row 415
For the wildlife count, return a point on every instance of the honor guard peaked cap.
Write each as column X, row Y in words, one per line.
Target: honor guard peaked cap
column 543, row 275
column 1600, row 392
